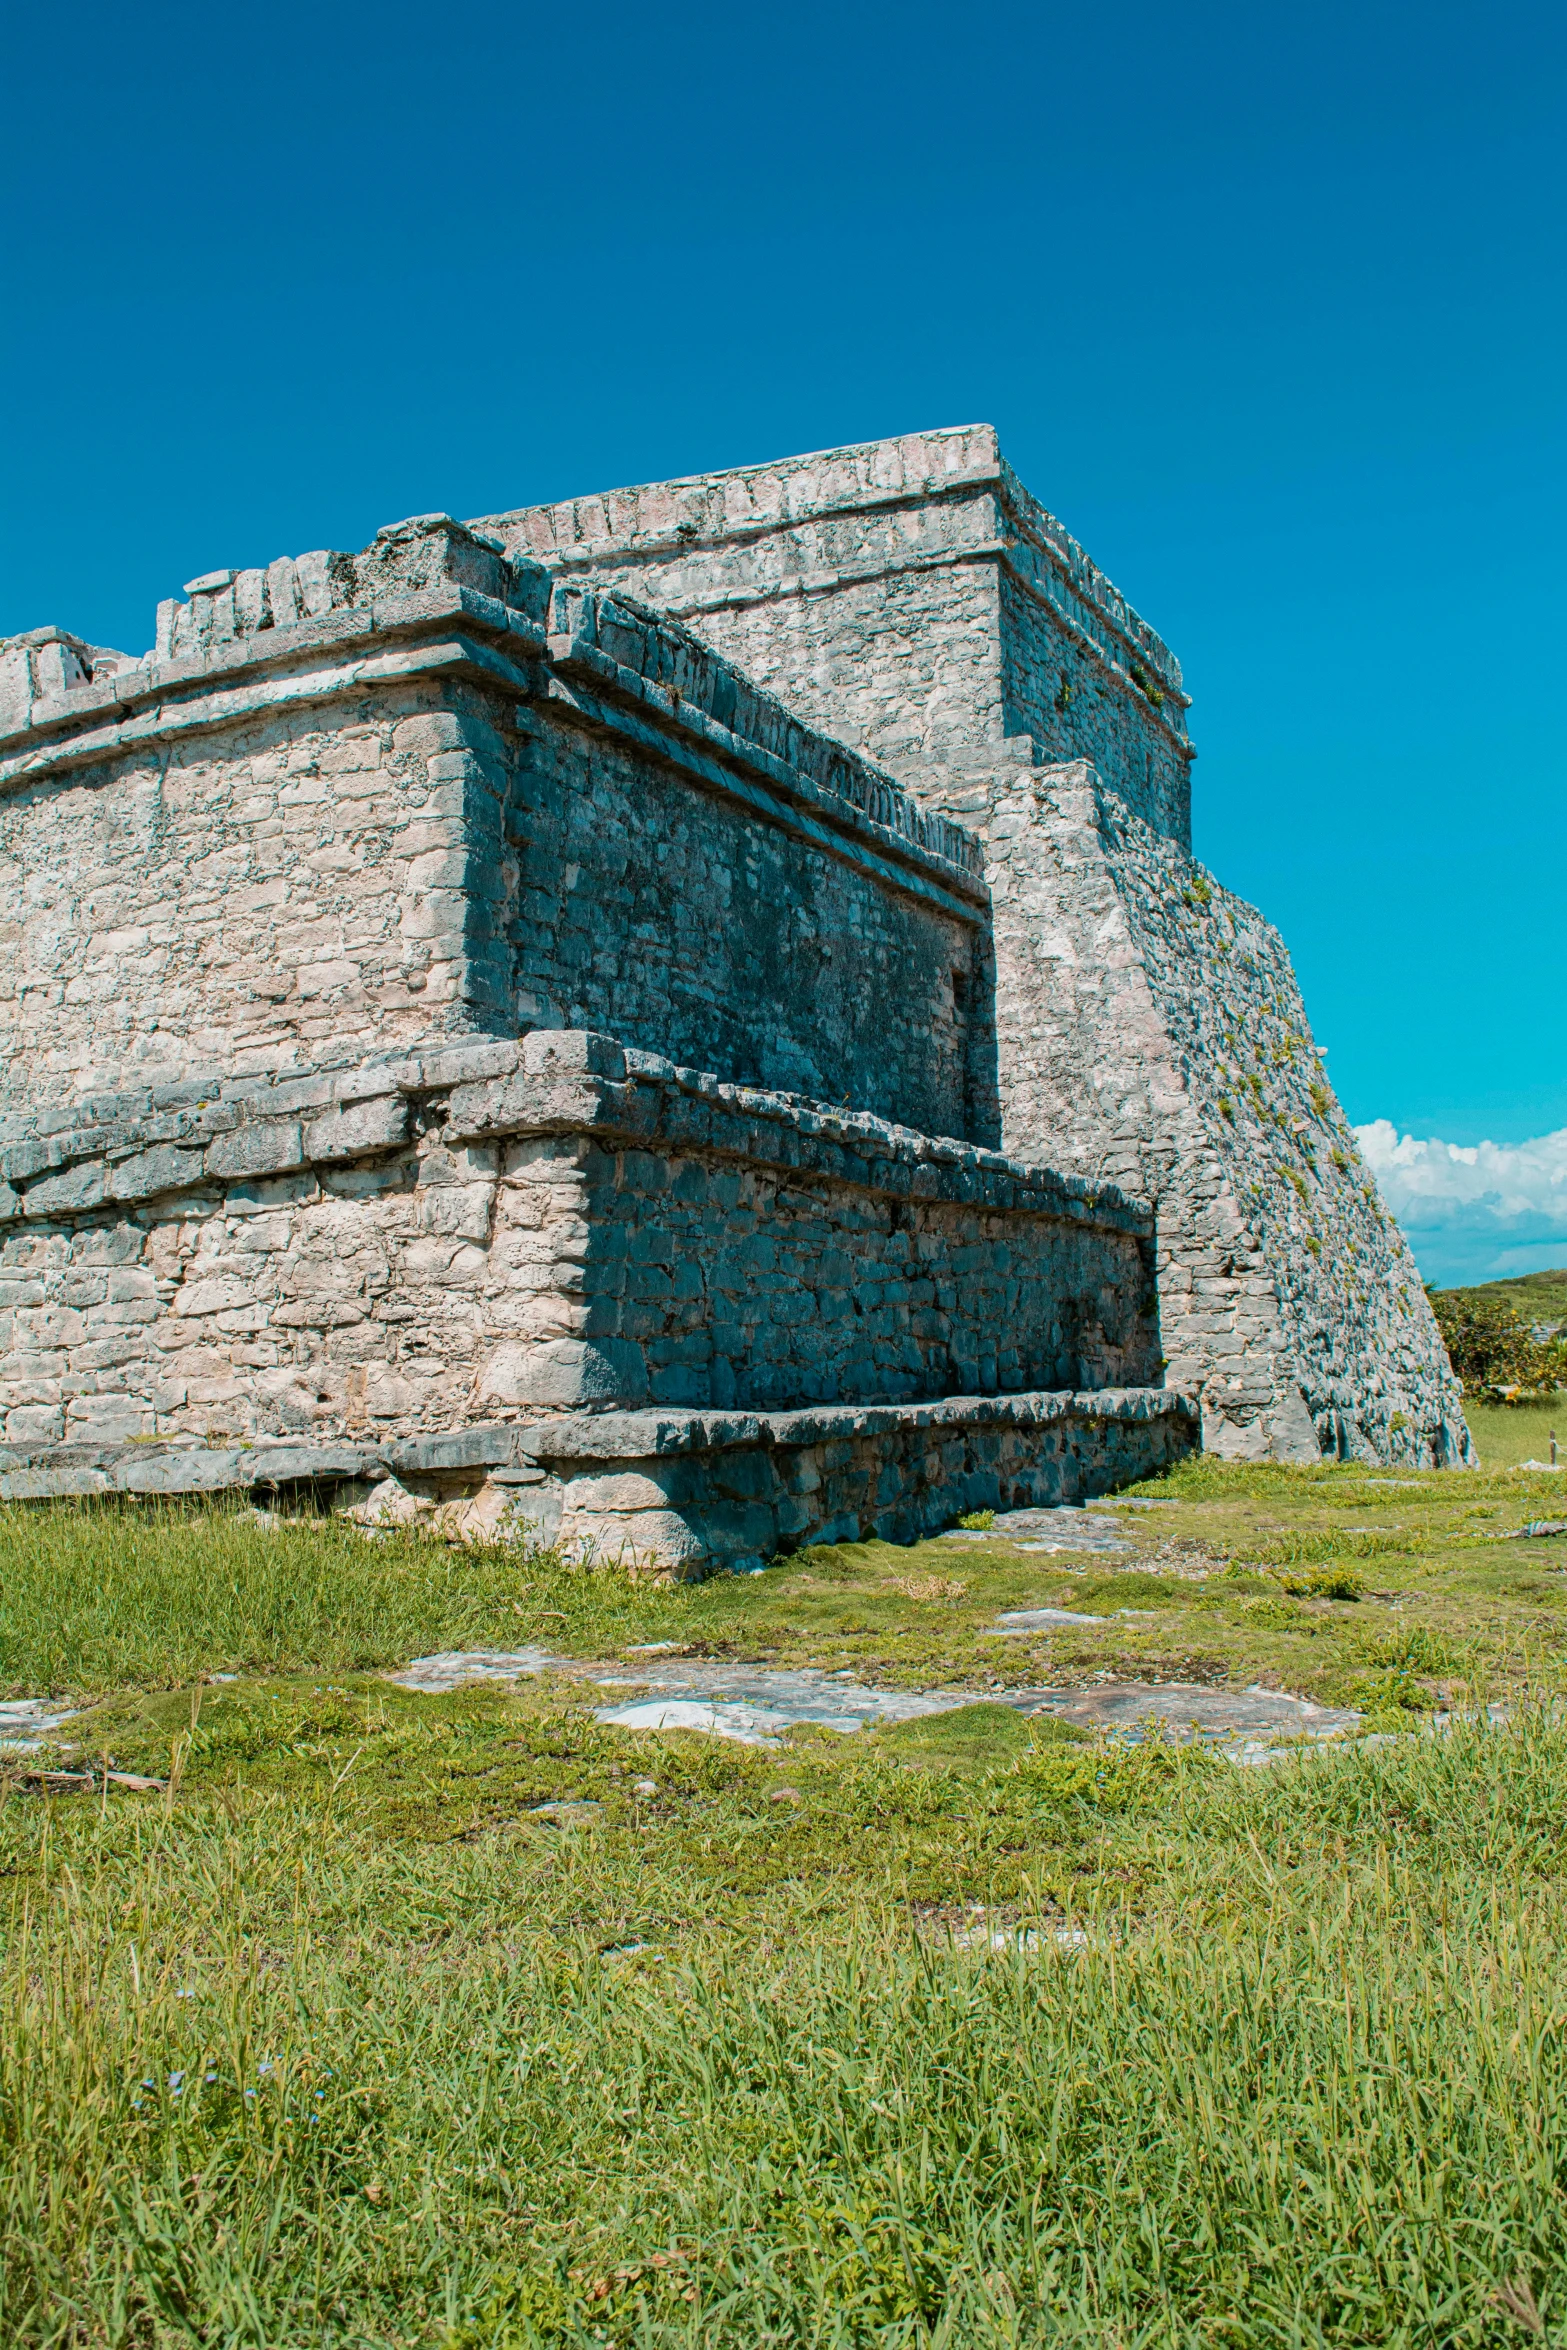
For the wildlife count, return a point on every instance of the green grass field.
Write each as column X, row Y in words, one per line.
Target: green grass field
column 1506, row 1434
column 969, row 2032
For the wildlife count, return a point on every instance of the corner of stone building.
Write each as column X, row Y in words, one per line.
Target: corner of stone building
column 1151, row 1033
column 462, row 886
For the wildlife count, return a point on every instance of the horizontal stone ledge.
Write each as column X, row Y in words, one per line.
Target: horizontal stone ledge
column 51, row 1472
column 611, row 1436
column 548, row 1082
column 795, row 802
column 143, row 686
column 67, row 1471
column 168, row 717
column 785, row 771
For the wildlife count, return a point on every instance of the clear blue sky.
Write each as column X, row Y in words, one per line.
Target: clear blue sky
column 1267, row 303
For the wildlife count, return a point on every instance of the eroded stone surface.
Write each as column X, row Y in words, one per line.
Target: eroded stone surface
column 26, row 1722
column 1189, row 1710
column 758, row 1703
column 1062, row 1527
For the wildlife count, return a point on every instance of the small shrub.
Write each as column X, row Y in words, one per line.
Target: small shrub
column 1272, row 1615
column 1490, row 1346
column 1388, row 1698
column 1332, row 1582
column 977, row 1521
column 1416, row 1650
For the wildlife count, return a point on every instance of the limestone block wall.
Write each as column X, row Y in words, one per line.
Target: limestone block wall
column 694, row 1492
column 908, row 596
column 498, row 1228
column 448, row 802
column 912, row 596
column 1152, row 1033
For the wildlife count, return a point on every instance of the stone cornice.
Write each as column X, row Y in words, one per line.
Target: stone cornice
column 607, row 661
column 667, row 520
column 550, row 1082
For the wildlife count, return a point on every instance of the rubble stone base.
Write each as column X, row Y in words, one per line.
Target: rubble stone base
column 688, row 1493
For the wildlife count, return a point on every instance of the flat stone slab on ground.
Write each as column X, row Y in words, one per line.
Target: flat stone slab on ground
column 1053, row 1529
column 26, row 1722
column 748, row 1701
column 1038, row 1619
column 454, row 1667
column 1186, row 1710
column 759, row 1703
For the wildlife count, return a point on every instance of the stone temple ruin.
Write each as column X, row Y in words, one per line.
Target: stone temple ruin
column 685, row 1020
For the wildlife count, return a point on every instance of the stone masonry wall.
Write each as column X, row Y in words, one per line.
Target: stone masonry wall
column 287, row 855
column 907, row 596
column 252, row 900
column 1152, row 1033
column 696, row 1492
column 503, row 1228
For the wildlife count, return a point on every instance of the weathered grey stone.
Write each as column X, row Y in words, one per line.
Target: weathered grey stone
column 510, row 1007
column 76, row 1188
column 262, row 1149
column 571, row 1052
column 166, row 1168
column 365, row 1126
column 490, row 1444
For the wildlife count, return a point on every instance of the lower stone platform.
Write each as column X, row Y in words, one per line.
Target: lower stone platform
column 685, row 1492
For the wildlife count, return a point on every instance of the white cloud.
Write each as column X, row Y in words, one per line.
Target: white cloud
column 1473, row 1211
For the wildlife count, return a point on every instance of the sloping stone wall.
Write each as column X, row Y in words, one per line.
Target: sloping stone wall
column 1152, row 1034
